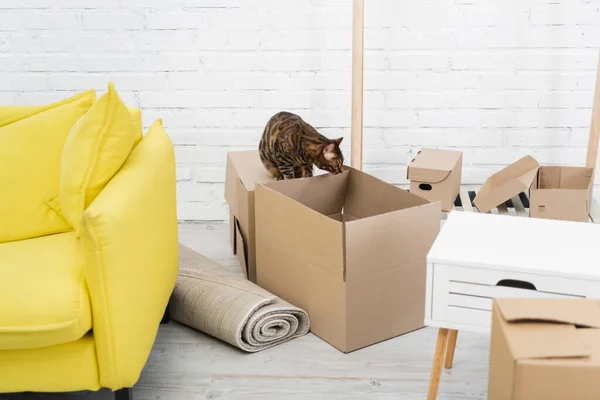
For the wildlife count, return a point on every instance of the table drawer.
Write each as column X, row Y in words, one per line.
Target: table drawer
column 463, row 295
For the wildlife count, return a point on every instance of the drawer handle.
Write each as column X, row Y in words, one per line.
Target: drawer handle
column 425, row 186
column 514, row 283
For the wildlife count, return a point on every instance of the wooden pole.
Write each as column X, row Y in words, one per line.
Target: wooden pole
column 358, row 29
column 592, row 150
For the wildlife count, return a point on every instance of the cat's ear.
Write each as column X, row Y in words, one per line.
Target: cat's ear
column 338, row 141
column 329, row 152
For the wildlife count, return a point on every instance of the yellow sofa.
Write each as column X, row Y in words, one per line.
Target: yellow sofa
column 88, row 244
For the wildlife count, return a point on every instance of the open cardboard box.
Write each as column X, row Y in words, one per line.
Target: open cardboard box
column 350, row 250
column 555, row 192
column 436, row 175
column 244, row 170
column 545, row 349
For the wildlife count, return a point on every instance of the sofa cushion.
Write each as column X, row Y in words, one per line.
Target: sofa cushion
column 43, row 296
column 95, row 149
column 136, row 117
column 31, row 143
column 9, row 112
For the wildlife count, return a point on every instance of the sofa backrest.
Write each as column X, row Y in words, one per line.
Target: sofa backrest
column 32, row 142
column 11, row 112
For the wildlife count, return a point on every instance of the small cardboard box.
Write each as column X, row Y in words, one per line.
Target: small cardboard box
column 555, row 192
column 435, row 175
column 545, row 349
column 244, row 170
column 350, row 250
column 561, row 193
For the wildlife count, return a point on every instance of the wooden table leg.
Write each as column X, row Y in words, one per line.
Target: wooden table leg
column 451, row 348
column 438, row 361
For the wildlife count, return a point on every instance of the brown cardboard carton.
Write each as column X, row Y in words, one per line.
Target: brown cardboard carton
column 349, row 249
column 545, row 349
column 561, row 193
column 555, row 192
column 244, row 170
column 436, row 175
column 506, row 183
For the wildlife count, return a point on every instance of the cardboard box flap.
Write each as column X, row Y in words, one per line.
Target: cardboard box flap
column 368, row 196
column 579, row 312
column 432, row 165
column 248, row 168
column 324, row 193
column 547, row 341
column 506, row 183
column 306, row 235
column 428, row 175
column 393, row 240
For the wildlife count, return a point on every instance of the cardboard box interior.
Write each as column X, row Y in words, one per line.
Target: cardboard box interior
column 350, row 250
column 555, row 177
column 545, row 349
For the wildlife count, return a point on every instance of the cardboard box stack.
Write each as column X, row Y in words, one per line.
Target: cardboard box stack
column 546, row 349
column 244, row 170
column 349, row 249
column 436, row 176
column 555, row 192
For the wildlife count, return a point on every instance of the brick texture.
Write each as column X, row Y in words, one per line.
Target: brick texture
column 498, row 79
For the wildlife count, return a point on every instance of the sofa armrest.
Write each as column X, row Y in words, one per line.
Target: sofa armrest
column 130, row 243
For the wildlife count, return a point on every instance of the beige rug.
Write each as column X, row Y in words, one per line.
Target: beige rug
column 212, row 300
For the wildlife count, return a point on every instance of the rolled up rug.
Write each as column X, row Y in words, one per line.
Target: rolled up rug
column 219, row 303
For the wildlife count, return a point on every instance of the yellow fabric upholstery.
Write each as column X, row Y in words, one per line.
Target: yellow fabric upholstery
column 136, row 118
column 95, row 149
column 31, row 143
column 9, row 112
column 42, row 292
column 61, row 368
column 92, row 299
column 129, row 237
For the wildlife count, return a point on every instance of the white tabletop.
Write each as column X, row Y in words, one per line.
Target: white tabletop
column 542, row 246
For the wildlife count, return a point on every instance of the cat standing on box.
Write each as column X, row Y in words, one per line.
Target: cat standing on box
column 289, row 147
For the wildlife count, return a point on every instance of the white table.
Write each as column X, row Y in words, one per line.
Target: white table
column 478, row 257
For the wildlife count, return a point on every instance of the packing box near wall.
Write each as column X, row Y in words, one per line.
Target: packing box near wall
column 244, row 170
column 545, row 349
column 436, row 175
column 349, row 249
column 562, row 193
column 555, row 192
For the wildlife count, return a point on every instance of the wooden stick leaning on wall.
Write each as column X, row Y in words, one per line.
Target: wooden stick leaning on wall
column 592, row 150
column 358, row 22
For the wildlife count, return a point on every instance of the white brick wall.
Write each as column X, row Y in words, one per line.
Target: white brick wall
column 497, row 79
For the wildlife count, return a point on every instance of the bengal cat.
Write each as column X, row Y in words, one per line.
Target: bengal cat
column 289, row 147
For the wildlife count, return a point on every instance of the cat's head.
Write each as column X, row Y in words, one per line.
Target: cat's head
column 330, row 157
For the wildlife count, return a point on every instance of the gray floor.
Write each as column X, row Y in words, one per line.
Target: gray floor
column 185, row 364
